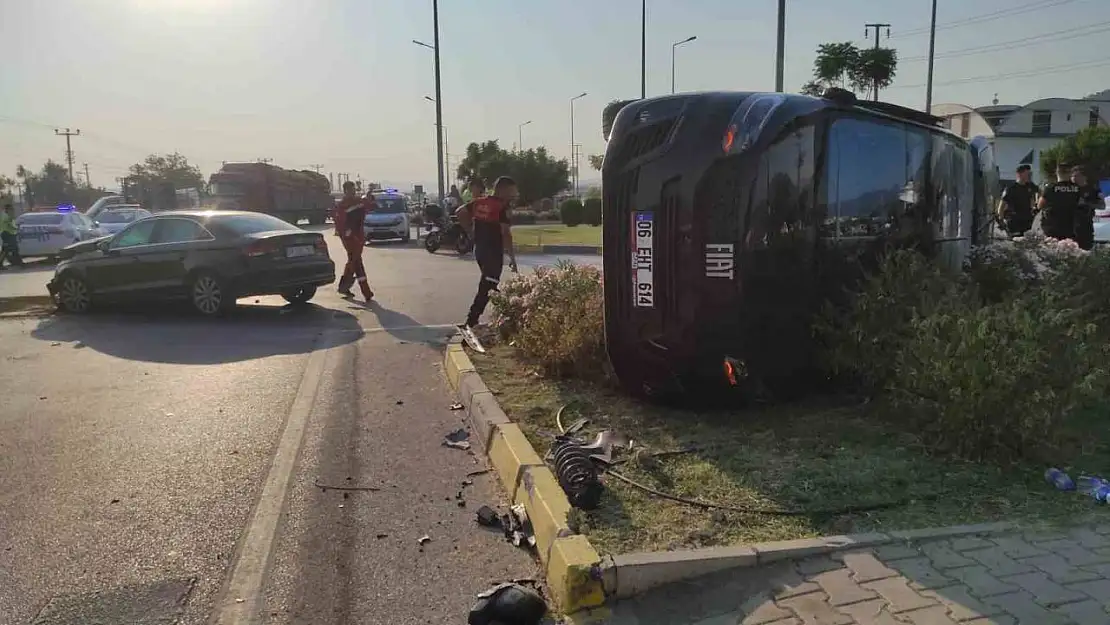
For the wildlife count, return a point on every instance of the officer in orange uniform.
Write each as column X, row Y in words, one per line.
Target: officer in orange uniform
column 350, row 214
column 486, row 220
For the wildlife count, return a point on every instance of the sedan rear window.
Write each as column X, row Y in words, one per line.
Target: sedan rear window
column 40, row 219
column 250, row 224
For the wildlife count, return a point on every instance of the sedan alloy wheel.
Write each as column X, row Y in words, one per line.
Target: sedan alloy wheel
column 74, row 295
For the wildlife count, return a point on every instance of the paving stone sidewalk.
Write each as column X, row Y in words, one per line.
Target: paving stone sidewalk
column 1047, row 578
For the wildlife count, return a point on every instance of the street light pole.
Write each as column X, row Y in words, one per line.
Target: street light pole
column 520, row 135
column 439, row 93
column 932, row 43
column 780, row 51
column 573, row 153
column 674, row 46
column 643, row 50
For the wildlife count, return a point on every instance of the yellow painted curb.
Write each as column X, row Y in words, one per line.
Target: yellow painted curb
column 571, row 564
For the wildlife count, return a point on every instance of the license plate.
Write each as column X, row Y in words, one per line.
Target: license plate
column 643, row 260
column 297, row 251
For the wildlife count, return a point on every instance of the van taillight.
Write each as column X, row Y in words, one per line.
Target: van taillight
column 261, row 248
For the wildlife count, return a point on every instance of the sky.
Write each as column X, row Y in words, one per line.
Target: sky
column 339, row 83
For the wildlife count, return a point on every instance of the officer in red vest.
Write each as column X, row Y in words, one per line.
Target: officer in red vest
column 350, row 214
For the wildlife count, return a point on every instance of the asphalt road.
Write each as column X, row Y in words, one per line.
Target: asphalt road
column 156, row 466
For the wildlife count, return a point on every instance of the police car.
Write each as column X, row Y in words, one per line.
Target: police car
column 45, row 233
column 390, row 217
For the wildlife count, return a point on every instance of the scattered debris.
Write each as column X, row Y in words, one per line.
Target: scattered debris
column 459, row 495
column 400, row 402
column 381, row 536
column 346, row 495
column 467, row 482
column 576, row 472
column 577, row 426
column 340, row 506
column 477, row 473
column 488, row 517
column 507, row 604
column 462, row 503
column 169, row 414
column 518, row 529
column 55, row 344
column 457, row 406
column 114, row 501
column 42, row 397
column 327, row 487
column 424, row 539
column 457, row 439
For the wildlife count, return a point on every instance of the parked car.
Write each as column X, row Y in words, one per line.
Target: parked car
column 103, row 204
column 389, row 219
column 46, row 233
column 116, row 218
column 208, row 258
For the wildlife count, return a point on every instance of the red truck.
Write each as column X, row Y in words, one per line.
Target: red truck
column 287, row 194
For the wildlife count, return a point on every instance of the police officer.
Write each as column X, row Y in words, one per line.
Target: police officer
column 350, row 215
column 9, row 238
column 1090, row 200
column 1019, row 203
column 1059, row 205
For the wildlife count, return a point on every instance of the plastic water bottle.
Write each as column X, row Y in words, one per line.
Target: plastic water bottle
column 1059, row 479
column 1095, row 487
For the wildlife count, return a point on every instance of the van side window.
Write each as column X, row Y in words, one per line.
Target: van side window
column 782, row 193
column 868, row 185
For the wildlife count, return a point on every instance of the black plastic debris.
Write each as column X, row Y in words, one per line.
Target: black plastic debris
column 488, row 517
column 424, row 539
column 508, row 604
column 457, row 439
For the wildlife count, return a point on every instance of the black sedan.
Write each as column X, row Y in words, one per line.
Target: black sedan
column 209, row 258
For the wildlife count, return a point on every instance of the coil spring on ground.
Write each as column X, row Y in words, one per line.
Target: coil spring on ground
column 576, row 473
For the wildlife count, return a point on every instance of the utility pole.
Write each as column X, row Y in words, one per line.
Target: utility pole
column 317, row 167
column 643, row 50
column 69, row 149
column 780, row 50
column 88, row 181
column 932, row 44
column 877, row 27
column 573, row 149
column 439, row 102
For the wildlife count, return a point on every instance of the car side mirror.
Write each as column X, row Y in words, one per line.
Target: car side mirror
column 96, row 224
column 105, row 246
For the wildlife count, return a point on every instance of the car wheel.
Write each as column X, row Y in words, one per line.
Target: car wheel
column 209, row 295
column 300, row 295
column 432, row 242
column 74, row 296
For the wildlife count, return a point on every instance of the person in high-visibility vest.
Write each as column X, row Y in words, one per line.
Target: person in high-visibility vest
column 350, row 215
column 9, row 238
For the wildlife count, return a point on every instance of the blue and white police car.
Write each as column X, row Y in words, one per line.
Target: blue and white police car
column 45, row 233
column 390, row 217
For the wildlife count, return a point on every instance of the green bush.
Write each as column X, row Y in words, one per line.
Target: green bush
column 988, row 363
column 555, row 317
column 523, row 217
column 571, row 212
column 591, row 211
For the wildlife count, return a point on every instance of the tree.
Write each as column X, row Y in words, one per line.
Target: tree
column 596, row 160
column 536, row 173
column 49, row 187
column 843, row 64
column 1089, row 148
column 6, row 185
column 171, row 168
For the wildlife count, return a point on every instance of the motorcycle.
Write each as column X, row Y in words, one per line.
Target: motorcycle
column 437, row 234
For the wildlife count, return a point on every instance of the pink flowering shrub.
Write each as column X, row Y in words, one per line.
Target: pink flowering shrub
column 555, row 317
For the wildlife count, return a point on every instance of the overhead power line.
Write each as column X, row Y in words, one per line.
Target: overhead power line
column 1057, row 69
column 1036, row 40
column 1020, row 9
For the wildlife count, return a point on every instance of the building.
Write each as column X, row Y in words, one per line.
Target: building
column 1020, row 133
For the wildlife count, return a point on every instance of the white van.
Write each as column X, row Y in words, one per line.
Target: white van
column 103, row 203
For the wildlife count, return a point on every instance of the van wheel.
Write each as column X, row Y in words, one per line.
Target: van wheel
column 74, row 296
column 209, row 295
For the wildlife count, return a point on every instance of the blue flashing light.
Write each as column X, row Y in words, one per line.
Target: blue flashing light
column 66, row 208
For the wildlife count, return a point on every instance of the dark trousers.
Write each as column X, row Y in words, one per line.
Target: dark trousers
column 354, row 269
column 9, row 249
column 490, row 262
column 1085, row 232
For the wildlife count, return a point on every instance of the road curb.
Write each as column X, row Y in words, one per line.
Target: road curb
column 568, row 250
column 580, row 580
column 571, row 565
column 19, row 306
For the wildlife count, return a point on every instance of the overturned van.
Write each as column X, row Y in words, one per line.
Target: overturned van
column 730, row 217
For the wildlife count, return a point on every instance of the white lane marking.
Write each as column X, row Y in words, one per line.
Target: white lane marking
column 241, row 599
